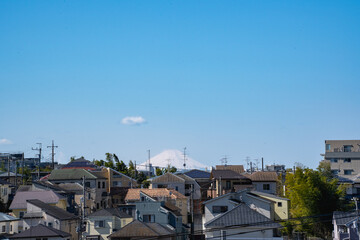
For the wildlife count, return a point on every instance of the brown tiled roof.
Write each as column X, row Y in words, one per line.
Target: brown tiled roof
column 264, row 177
column 41, row 231
column 226, row 174
column 141, row 229
column 134, row 193
column 235, row 168
column 167, row 178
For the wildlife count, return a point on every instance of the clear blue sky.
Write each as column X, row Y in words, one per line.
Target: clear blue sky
column 270, row 79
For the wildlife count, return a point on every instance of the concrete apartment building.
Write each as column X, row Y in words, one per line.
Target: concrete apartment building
column 344, row 157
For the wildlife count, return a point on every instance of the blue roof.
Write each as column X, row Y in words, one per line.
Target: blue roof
column 197, row 174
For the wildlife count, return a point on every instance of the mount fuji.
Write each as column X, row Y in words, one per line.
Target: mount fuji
column 173, row 157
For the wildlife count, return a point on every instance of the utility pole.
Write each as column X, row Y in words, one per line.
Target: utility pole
column 82, row 225
column 192, row 211
column 23, row 165
column 38, row 149
column 149, row 162
column 9, row 167
column 184, row 158
column 52, row 154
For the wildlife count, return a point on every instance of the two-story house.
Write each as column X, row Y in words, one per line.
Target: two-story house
column 264, row 181
column 225, row 181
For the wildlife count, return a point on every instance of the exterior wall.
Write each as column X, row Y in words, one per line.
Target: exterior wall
column 281, row 212
column 259, row 186
column 223, row 201
column 111, row 224
column 151, row 208
column 5, row 191
column 261, row 206
column 11, row 227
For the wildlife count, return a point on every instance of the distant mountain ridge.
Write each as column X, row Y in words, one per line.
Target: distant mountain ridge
column 173, row 157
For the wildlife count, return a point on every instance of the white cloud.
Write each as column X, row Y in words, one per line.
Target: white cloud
column 5, row 141
column 133, row 120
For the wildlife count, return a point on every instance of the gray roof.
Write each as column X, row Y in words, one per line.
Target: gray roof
column 5, row 218
column 71, row 174
column 241, row 216
column 141, row 230
column 20, row 198
column 56, row 212
column 259, row 194
column 40, row 231
column 110, row 212
column 195, row 173
column 342, row 218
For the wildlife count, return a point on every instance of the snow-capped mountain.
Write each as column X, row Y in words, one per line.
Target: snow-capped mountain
column 173, row 157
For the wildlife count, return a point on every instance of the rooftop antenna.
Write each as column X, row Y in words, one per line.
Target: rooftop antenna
column 247, row 162
column 52, row 154
column 224, row 161
column 184, row 157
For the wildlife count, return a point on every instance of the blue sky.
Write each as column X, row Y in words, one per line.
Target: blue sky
column 270, row 79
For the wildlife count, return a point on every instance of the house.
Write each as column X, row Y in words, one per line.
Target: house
column 42, row 232
column 241, row 222
column 14, row 179
column 39, row 212
column 345, row 225
column 8, row 224
column 225, row 181
column 203, row 179
column 236, row 168
column 343, row 156
column 270, row 206
column 150, row 210
column 161, row 194
column 180, row 182
column 95, row 183
column 19, row 205
column 264, row 181
column 5, row 191
column 102, row 223
column 142, row 230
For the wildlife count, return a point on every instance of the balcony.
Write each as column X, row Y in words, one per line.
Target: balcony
column 351, row 155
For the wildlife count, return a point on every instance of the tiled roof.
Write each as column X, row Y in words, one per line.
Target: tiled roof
column 227, row 174
column 70, row 174
column 40, row 231
column 134, row 193
column 342, row 218
column 260, row 194
column 167, row 178
column 236, row 168
column 195, row 173
column 20, row 198
column 80, row 163
column 242, row 216
column 110, row 212
column 4, row 217
column 263, row 177
column 56, row 212
column 141, row 229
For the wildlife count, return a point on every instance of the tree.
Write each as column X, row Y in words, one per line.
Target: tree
column 158, row 172
column 313, row 193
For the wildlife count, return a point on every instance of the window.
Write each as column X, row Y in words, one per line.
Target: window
column 87, row 184
column 335, row 171
column 228, row 184
column 347, row 148
column 97, row 205
column 124, row 222
column 3, row 228
column 149, row 218
column 103, row 184
column 50, row 224
column 99, row 185
column 348, row 172
column 21, row 214
column 347, row 160
column 100, row 224
column 10, row 228
column 266, row 186
column 177, row 188
column 328, row 147
column 334, row 160
column 219, row 209
column 279, row 204
column 223, row 234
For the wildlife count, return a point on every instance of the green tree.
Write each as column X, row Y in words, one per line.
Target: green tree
column 313, row 193
column 158, row 172
column 109, row 160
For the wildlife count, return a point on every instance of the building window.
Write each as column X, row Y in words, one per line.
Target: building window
column 149, row 218
column 177, row 188
column 334, row 160
column 279, row 204
column 3, row 228
column 335, row 172
column 10, row 228
column 97, row 205
column 347, row 148
column 100, row 224
column 223, row 234
column 50, row 224
column 228, row 184
column 328, row 147
column 347, row 160
column 21, row 214
column 219, row 209
column 99, row 184
column 266, row 186
column 103, row 184
column 348, row 172
column 87, row 184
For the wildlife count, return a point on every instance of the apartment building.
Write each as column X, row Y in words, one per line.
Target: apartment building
column 344, row 157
